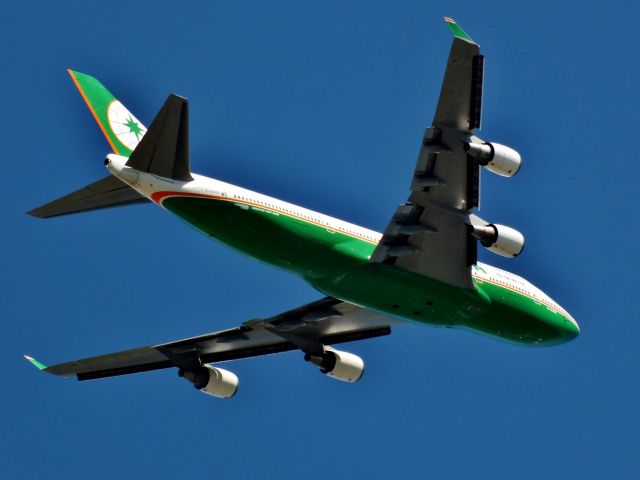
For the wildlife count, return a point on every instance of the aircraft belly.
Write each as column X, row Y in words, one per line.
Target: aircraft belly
column 490, row 310
column 405, row 295
column 293, row 244
column 338, row 265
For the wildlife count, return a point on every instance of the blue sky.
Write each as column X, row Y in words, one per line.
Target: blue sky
column 322, row 104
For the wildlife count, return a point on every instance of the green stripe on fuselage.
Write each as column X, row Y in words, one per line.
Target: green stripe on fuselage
column 338, row 265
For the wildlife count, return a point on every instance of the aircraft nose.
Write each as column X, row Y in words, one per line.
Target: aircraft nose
column 570, row 329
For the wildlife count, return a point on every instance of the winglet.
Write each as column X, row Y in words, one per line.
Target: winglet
column 457, row 30
column 35, row 363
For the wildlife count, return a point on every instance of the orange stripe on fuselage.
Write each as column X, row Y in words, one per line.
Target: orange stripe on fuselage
column 93, row 112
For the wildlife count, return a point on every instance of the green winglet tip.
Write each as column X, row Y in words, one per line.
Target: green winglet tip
column 35, row 363
column 457, row 30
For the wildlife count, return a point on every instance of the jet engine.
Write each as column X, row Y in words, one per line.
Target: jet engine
column 212, row 381
column 502, row 240
column 337, row 364
column 496, row 158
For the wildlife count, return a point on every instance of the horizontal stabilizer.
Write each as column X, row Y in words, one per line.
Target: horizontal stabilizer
column 105, row 193
column 164, row 149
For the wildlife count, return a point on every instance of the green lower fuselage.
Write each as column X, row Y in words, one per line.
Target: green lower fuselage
column 338, row 265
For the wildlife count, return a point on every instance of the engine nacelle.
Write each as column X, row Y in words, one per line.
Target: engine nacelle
column 505, row 241
column 340, row 365
column 212, row 381
column 496, row 158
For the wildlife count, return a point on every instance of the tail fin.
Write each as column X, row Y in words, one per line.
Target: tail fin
column 122, row 130
column 164, row 151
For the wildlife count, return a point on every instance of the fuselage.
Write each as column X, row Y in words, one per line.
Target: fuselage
column 333, row 256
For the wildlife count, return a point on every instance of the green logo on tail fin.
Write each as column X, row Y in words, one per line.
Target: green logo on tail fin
column 134, row 128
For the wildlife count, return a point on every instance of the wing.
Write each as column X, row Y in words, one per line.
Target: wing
column 308, row 328
column 430, row 234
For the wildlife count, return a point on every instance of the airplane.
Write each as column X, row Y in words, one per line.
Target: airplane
column 422, row 269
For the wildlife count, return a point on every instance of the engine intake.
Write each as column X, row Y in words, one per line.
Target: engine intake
column 499, row 239
column 496, row 158
column 212, row 381
column 340, row 365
